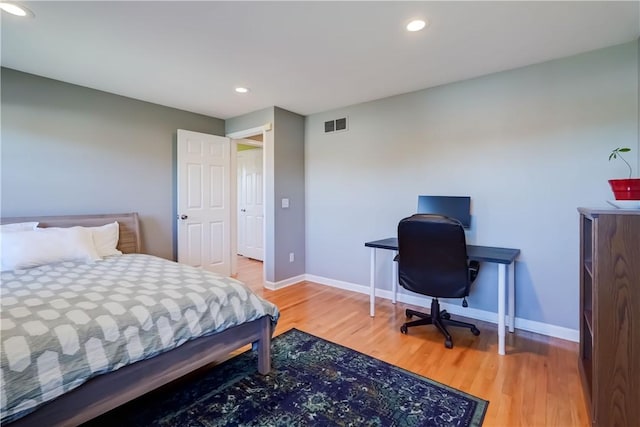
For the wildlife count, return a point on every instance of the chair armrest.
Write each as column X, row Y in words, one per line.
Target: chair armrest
column 474, row 268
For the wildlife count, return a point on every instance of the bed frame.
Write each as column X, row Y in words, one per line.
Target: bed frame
column 108, row 391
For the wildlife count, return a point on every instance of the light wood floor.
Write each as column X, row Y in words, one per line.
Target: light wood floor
column 536, row 384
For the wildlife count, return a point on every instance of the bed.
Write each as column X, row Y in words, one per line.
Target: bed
column 181, row 340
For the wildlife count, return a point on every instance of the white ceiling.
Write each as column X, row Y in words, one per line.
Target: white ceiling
column 306, row 57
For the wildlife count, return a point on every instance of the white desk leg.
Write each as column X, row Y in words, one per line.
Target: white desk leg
column 512, row 297
column 394, row 278
column 502, row 275
column 372, row 284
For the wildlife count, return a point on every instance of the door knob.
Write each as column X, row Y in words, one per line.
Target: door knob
column 243, row 210
column 183, row 217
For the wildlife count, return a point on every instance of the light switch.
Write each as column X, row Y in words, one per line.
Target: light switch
column 285, row 203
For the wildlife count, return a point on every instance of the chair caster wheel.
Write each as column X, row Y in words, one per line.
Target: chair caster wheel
column 408, row 315
column 403, row 329
column 446, row 316
column 448, row 344
column 475, row 331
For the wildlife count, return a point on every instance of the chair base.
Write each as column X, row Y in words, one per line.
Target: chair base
column 439, row 319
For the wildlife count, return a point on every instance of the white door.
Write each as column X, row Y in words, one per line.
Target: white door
column 204, row 211
column 250, row 204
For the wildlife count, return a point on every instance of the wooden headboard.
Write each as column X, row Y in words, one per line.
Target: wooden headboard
column 129, row 241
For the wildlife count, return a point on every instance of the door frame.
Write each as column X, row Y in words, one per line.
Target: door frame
column 268, row 191
column 256, row 144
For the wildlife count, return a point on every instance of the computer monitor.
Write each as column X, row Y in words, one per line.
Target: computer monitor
column 458, row 207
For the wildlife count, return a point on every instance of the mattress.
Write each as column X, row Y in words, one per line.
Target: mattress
column 65, row 323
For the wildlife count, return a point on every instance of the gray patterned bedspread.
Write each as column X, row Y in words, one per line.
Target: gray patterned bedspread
column 62, row 324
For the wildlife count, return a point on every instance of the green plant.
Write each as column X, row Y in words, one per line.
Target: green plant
column 616, row 153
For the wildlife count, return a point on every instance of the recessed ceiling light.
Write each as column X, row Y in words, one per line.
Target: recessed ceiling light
column 416, row 25
column 16, row 9
column 242, row 90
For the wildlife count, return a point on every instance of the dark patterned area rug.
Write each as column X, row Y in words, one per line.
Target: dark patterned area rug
column 313, row 382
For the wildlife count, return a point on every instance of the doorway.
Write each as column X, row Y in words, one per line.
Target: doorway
column 250, row 198
column 256, row 137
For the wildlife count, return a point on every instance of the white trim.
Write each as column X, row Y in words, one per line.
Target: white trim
column 233, row 200
column 347, row 286
column 549, row 330
column 472, row 313
column 274, row 286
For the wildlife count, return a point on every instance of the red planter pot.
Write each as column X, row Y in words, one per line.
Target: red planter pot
column 626, row 189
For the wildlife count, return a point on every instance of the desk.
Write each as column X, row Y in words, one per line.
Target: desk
column 504, row 257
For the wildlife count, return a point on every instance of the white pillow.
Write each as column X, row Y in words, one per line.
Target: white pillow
column 26, row 249
column 105, row 239
column 18, row 226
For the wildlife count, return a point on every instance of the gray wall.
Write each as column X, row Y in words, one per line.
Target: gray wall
column 285, row 229
column 67, row 149
column 528, row 145
column 249, row 120
column 289, row 183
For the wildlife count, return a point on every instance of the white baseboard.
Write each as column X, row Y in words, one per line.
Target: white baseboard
column 274, row 286
column 347, row 286
column 473, row 313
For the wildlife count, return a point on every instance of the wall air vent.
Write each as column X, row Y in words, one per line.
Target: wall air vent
column 329, row 126
column 337, row 125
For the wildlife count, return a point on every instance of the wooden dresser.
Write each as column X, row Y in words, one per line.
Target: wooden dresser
column 610, row 315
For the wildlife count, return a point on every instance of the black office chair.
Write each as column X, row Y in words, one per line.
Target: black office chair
column 432, row 261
